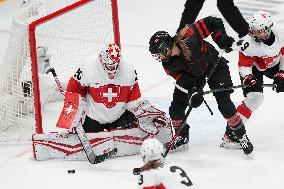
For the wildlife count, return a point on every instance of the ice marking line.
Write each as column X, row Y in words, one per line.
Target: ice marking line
column 19, row 155
column 156, row 84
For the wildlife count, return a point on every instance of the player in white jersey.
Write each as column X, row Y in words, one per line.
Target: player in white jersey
column 158, row 172
column 109, row 96
column 261, row 54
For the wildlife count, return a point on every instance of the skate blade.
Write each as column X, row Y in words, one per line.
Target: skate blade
column 250, row 156
column 180, row 148
column 231, row 146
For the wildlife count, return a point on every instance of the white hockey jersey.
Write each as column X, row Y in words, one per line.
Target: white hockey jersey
column 107, row 99
column 260, row 55
column 168, row 176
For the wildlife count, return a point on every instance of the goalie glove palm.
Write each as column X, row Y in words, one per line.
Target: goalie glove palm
column 150, row 119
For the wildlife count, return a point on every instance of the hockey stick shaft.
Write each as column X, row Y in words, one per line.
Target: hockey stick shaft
column 221, row 89
column 233, row 87
column 182, row 125
column 58, row 83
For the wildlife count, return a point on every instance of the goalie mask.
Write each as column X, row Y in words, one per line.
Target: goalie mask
column 152, row 149
column 260, row 26
column 160, row 45
column 110, row 59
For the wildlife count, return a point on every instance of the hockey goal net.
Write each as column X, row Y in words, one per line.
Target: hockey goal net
column 71, row 30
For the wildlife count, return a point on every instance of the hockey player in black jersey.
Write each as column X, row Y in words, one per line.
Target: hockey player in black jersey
column 192, row 62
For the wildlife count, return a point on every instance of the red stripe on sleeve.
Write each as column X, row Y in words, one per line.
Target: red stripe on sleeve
column 216, row 35
column 134, row 93
column 246, row 61
column 76, row 87
column 199, row 30
column 204, row 27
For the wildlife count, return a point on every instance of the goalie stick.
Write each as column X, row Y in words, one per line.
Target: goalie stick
column 92, row 157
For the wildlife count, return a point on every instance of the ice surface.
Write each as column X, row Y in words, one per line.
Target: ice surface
column 209, row 166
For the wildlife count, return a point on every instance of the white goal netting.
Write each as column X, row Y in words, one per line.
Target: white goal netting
column 69, row 37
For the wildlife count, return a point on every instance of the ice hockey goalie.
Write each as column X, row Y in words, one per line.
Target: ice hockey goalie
column 104, row 97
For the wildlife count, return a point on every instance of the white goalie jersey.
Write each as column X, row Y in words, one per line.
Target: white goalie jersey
column 106, row 98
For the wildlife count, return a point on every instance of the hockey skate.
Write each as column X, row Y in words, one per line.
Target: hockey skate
column 239, row 133
column 229, row 141
column 181, row 142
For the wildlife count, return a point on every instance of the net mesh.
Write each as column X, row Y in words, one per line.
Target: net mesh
column 69, row 38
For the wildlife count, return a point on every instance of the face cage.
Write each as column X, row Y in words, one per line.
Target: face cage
column 260, row 35
column 163, row 52
column 111, row 67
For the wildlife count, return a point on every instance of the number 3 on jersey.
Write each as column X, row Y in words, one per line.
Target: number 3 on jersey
column 140, row 180
column 182, row 173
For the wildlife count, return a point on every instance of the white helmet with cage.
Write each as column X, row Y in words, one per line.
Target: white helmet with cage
column 110, row 59
column 260, row 25
column 152, row 149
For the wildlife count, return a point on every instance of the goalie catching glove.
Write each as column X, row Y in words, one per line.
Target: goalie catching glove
column 73, row 112
column 150, row 119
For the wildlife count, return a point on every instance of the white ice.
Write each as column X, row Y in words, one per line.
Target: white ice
column 209, row 166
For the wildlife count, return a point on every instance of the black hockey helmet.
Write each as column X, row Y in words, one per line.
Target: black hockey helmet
column 160, row 42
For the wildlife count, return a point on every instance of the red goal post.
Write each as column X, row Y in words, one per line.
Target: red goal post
column 70, row 30
column 32, row 39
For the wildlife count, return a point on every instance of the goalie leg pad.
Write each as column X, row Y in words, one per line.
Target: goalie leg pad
column 66, row 146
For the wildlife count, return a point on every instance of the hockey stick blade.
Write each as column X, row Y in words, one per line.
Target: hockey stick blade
column 92, row 157
column 105, row 156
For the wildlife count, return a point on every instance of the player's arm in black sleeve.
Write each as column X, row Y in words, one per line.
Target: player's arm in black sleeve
column 190, row 12
column 209, row 26
column 215, row 27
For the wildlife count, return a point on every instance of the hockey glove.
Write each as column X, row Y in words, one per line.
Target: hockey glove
column 252, row 82
column 196, row 97
column 279, row 82
column 150, row 119
column 225, row 42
